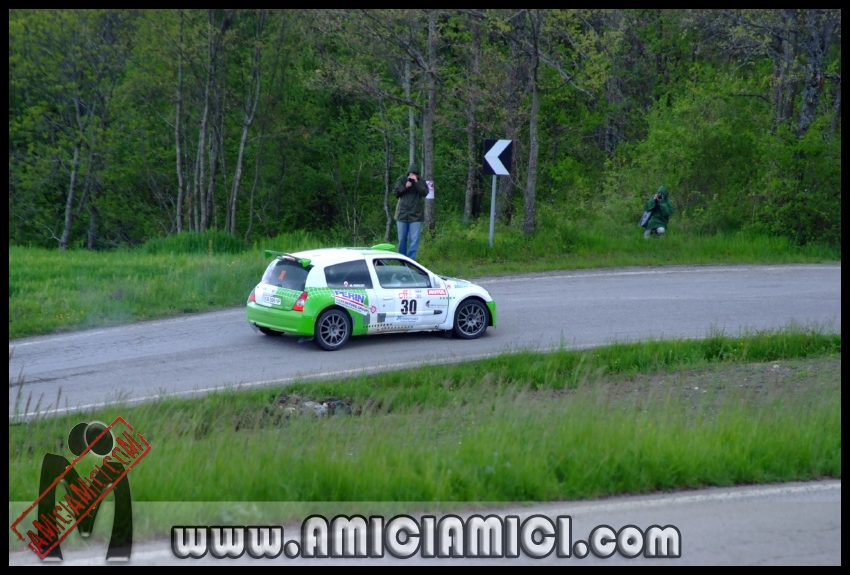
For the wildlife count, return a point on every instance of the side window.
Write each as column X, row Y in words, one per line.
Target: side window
column 394, row 273
column 349, row 274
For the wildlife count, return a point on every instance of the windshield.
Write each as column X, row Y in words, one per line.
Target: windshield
column 286, row 274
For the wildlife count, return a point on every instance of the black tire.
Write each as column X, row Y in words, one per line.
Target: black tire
column 267, row 331
column 333, row 328
column 471, row 319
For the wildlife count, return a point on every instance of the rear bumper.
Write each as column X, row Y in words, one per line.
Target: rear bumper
column 491, row 305
column 287, row 321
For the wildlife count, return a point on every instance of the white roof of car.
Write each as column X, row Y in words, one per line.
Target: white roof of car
column 330, row 256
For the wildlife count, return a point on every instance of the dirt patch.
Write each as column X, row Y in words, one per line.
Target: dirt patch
column 295, row 405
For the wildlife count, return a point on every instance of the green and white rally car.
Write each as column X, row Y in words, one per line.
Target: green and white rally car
column 333, row 293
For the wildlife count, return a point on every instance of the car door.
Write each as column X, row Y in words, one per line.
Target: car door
column 352, row 288
column 407, row 298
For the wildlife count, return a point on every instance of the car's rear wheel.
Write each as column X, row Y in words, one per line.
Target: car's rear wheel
column 470, row 319
column 267, row 331
column 333, row 328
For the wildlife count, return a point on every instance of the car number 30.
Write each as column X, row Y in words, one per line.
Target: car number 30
column 408, row 306
column 271, row 300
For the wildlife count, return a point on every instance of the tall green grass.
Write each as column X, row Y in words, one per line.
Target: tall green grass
column 505, row 448
column 209, row 242
column 51, row 291
column 567, row 245
column 628, row 418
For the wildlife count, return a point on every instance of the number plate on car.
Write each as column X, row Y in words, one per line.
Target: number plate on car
column 271, row 300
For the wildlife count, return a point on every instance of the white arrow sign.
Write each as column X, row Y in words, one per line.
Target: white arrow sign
column 492, row 157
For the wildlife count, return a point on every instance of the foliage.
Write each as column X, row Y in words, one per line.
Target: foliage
column 737, row 112
column 799, row 196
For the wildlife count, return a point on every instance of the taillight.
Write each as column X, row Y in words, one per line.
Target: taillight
column 299, row 303
column 252, row 297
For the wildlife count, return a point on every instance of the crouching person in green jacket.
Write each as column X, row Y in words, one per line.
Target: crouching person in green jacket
column 661, row 209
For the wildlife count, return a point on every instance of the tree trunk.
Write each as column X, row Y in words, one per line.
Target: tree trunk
column 237, row 176
column 819, row 28
column 70, row 216
column 471, row 123
column 533, row 144
column 254, row 187
column 428, row 120
column 472, row 168
column 203, row 138
column 69, row 203
column 88, row 194
column 388, row 163
column 531, row 178
column 92, row 236
column 516, row 79
column 177, row 122
column 196, row 194
column 207, row 206
column 411, row 122
column 248, row 119
column 191, row 184
column 784, row 86
column 836, row 107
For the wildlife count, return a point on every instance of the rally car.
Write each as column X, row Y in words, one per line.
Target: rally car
column 331, row 294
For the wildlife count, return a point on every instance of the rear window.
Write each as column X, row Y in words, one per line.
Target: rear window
column 286, row 274
column 348, row 275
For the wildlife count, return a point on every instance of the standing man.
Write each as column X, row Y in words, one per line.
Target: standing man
column 409, row 190
column 661, row 209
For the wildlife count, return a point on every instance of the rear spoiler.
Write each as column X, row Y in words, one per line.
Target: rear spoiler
column 303, row 261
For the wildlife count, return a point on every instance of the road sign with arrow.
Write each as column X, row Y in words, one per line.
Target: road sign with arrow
column 497, row 161
column 497, row 157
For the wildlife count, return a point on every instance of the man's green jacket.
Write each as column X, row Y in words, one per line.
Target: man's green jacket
column 409, row 208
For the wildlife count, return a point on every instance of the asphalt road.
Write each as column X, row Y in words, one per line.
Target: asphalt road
column 197, row 353
column 788, row 524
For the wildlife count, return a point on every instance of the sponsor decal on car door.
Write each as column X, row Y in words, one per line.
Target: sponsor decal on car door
column 436, row 303
column 412, row 308
column 361, row 303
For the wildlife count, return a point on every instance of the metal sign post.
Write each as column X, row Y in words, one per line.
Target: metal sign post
column 492, row 210
column 497, row 155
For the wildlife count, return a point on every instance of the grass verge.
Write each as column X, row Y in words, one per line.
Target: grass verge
column 627, row 418
column 51, row 291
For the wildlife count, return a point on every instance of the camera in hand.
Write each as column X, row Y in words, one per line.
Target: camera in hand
column 411, row 180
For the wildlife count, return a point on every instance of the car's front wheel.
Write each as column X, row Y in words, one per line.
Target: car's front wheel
column 470, row 319
column 333, row 328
